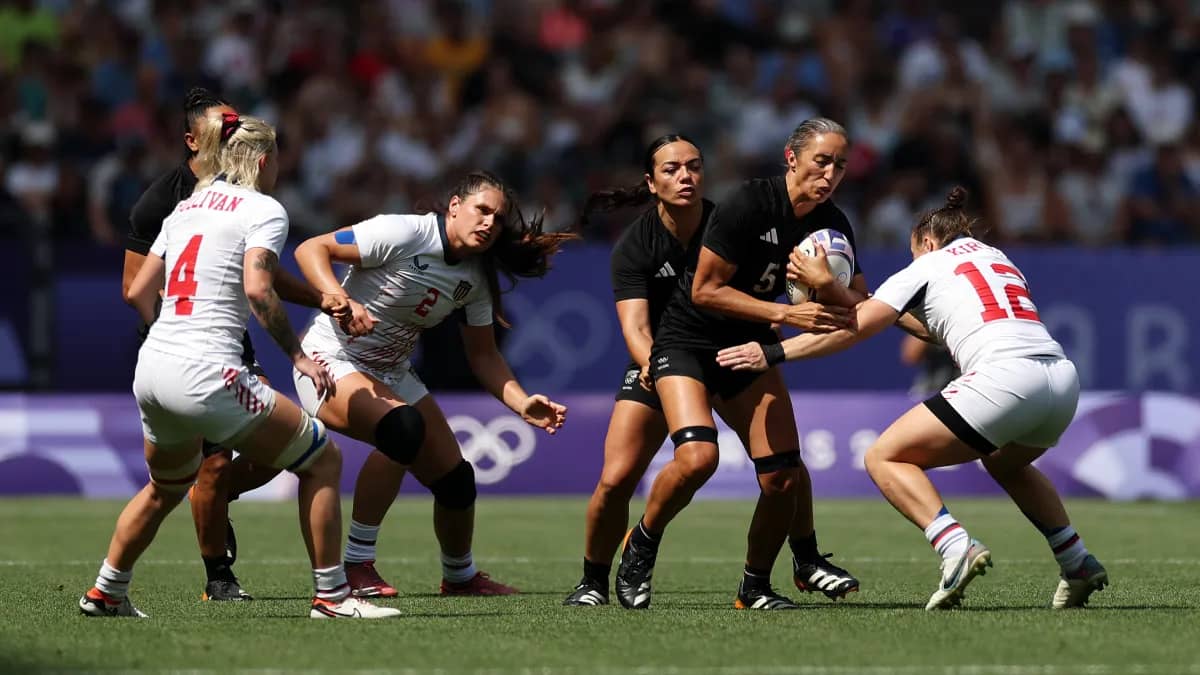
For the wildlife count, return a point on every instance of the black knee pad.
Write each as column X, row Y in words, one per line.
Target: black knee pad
column 693, row 435
column 456, row 490
column 779, row 462
column 400, row 434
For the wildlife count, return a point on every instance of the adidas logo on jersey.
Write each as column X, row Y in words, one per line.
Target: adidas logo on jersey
column 665, row 271
column 771, row 237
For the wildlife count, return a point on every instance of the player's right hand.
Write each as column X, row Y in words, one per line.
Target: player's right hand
column 817, row 318
column 645, row 378
column 359, row 321
column 321, row 378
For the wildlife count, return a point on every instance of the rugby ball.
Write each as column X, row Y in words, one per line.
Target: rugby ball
column 838, row 253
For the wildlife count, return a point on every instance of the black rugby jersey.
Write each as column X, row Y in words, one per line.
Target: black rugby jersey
column 755, row 228
column 155, row 204
column 649, row 262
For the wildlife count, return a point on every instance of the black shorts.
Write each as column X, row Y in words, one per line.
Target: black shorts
column 631, row 389
column 209, row 449
column 701, row 365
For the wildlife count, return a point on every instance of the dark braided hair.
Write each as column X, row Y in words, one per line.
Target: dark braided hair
column 634, row 195
column 196, row 103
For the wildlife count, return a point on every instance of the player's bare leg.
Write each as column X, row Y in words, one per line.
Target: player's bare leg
column 688, row 412
column 897, row 463
column 172, row 471
column 635, row 432
column 441, row 468
column 285, row 439
column 762, row 414
column 1081, row 574
column 209, row 499
column 246, row 475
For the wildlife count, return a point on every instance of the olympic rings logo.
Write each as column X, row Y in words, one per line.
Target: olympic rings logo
column 495, row 448
column 556, row 338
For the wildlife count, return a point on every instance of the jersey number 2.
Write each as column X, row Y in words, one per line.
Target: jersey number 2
column 992, row 311
column 182, row 283
column 431, row 297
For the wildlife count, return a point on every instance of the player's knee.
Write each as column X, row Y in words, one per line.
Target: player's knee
column 306, row 447
column 171, row 484
column 400, row 434
column 456, row 489
column 327, row 467
column 215, row 468
column 617, row 485
column 697, row 463
column 874, row 459
column 777, row 473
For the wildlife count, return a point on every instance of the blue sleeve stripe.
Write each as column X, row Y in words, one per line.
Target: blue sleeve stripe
column 344, row 236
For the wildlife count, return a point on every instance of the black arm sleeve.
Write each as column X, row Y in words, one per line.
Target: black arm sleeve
column 727, row 232
column 145, row 219
column 630, row 273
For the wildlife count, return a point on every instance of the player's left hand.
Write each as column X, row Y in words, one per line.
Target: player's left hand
column 358, row 321
column 543, row 413
column 743, row 357
column 811, row 270
column 645, row 378
column 336, row 305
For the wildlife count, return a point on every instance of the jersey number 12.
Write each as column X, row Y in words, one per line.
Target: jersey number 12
column 181, row 285
column 992, row 311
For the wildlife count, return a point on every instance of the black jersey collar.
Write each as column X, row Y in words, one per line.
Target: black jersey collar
column 446, row 254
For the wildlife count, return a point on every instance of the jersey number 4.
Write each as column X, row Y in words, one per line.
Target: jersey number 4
column 181, row 285
column 992, row 311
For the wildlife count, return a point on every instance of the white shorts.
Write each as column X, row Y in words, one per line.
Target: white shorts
column 183, row 399
column 403, row 382
column 1027, row 401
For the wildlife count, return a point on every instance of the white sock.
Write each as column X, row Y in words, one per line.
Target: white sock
column 946, row 536
column 360, row 545
column 458, row 570
column 1068, row 548
column 330, row 583
column 113, row 582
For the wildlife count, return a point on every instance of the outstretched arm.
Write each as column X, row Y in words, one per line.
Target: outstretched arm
column 873, row 316
column 497, row 379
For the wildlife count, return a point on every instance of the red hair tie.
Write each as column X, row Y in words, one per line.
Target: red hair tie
column 230, row 122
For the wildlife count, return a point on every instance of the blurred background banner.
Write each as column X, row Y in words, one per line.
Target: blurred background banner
column 1120, row 447
column 1127, row 317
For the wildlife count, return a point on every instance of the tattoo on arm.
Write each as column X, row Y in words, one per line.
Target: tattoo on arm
column 269, row 308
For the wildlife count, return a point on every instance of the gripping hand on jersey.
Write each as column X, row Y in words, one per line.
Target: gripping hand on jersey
column 321, row 379
column 358, row 321
column 543, row 413
column 749, row 356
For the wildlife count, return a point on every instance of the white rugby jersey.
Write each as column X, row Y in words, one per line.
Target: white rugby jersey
column 203, row 243
column 407, row 283
column 973, row 299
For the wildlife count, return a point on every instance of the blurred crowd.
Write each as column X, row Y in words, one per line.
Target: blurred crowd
column 1070, row 121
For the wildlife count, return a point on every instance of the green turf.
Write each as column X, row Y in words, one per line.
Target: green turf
column 1147, row 622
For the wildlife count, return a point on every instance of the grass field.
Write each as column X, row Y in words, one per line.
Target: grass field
column 1148, row 621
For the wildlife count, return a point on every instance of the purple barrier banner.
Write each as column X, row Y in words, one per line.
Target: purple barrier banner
column 1120, row 447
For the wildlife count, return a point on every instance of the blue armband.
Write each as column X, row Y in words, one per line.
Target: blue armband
column 344, row 236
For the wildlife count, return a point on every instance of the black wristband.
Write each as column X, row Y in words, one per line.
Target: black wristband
column 773, row 352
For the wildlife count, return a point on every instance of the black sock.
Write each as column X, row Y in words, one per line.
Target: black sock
column 596, row 572
column 643, row 538
column 753, row 579
column 806, row 548
column 217, row 568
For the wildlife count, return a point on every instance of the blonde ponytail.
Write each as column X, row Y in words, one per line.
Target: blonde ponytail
column 232, row 147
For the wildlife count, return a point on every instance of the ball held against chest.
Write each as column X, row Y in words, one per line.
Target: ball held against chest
column 839, row 255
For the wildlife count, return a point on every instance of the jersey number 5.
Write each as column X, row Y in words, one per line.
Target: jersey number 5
column 767, row 281
column 992, row 311
column 181, row 285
